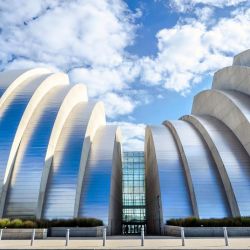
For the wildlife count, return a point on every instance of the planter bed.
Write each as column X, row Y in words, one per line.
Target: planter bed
column 76, row 231
column 23, row 233
column 206, row 231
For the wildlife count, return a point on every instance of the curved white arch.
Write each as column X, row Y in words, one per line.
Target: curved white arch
column 77, row 94
column 104, row 202
column 22, row 196
column 97, row 119
column 230, row 107
column 166, row 179
column 10, row 80
column 206, row 183
column 233, row 78
column 46, row 84
column 154, row 198
column 193, row 198
column 71, row 154
column 242, row 59
column 218, row 138
column 115, row 199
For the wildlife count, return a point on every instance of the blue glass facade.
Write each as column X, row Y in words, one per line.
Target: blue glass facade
column 133, row 186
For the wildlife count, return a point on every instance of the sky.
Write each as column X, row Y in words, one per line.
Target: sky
column 145, row 59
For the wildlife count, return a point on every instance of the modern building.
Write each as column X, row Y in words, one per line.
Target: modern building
column 199, row 165
column 59, row 158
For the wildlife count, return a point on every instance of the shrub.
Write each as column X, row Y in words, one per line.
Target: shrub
column 77, row 222
column 16, row 223
column 213, row 222
column 29, row 224
column 42, row 223
column 89, row 222
column 4, row 222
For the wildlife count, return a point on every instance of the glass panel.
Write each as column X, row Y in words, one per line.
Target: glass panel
column 133, row 192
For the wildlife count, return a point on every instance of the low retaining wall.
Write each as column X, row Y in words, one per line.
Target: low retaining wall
column 23, row 233
column 76, row 231
column 206, row 231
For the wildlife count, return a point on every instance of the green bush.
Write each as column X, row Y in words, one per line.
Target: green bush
column 77, row 222
column 16, row 223
column 4, row 222
column 224, row 222
column 88, row 222
column 42, row 223
column 29, row 224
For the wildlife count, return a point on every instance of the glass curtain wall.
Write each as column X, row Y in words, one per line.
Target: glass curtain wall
column 134, row 217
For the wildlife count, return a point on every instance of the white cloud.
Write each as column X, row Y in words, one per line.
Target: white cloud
column 117, row 104
column 189, row 51
column 204, row 14
column 184, row 5
column 87, row 39
column 101, row 80
column 132, row 135
column 65, row 33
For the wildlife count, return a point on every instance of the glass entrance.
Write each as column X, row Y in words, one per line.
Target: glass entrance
column 133, row 186
column 132, row 228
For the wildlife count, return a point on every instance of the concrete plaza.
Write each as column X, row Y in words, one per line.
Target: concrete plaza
column 120, row 242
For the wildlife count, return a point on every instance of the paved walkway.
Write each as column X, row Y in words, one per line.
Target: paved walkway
column 128, row 243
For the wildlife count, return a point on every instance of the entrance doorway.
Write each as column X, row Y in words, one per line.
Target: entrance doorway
column 133, row 228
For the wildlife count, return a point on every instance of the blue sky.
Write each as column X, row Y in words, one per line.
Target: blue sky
column 144, row 59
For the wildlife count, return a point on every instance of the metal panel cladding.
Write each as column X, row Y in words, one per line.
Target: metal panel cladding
column 7, row 78
column 174, row 191
column 96, row 189
column 23, row 193
column 234, row 157
column 229, row 106
column 62, row 182
column 10, row 115
column 209, row 192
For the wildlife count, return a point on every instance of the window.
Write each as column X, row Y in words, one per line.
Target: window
column 133, row 188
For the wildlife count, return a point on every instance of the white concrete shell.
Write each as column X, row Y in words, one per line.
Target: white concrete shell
column 167, row 191
column 22, row 195
column 37, row 85
column 233, row 78
column 76, row 95
column 46, row 85
column 231, row 159
column 242, row 59
column 102, row 199
column 214, row 146
column 69, row 160
column 206, row 190
column 48, row 126
column 230, row 107
column 9, row 80
column 97, row 119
